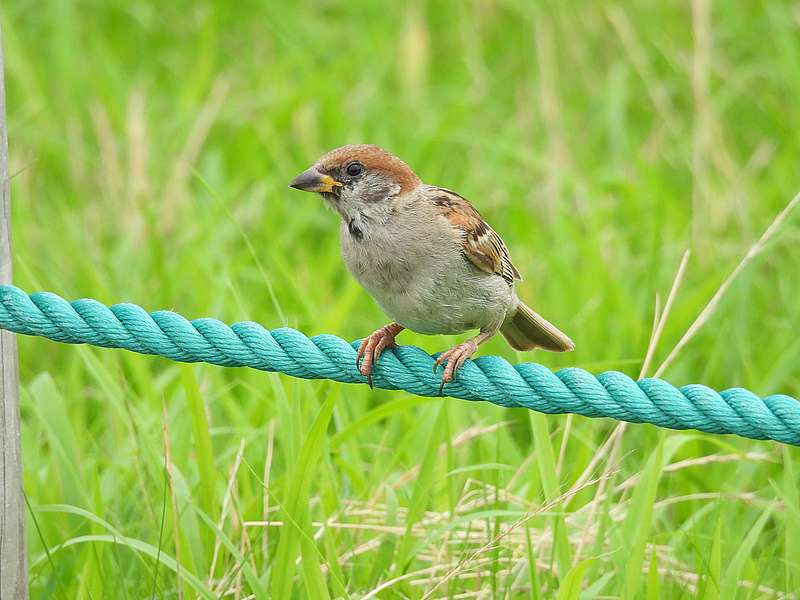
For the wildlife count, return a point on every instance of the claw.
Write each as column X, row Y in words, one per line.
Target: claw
column 455, row 358
column 361, row 350
column 373, row 346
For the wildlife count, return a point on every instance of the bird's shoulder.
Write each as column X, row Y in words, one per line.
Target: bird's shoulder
column 480, row 243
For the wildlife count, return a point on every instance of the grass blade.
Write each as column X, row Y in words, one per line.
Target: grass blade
column 736, row 565
column 545, row 460
column 296, row 506
column 639, row 520
column 570, row 588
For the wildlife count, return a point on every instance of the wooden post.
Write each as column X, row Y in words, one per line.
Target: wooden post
column 13, row 563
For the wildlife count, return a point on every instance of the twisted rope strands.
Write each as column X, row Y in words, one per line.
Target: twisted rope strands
column 490, row 378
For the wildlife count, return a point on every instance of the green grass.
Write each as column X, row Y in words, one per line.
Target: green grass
column 151, row 145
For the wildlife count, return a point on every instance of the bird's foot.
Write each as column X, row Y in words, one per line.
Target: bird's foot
column 373, row 345
column 455, row 357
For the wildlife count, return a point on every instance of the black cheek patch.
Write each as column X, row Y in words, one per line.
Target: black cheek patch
column 355, row 230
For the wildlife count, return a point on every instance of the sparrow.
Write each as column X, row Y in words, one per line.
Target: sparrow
column 427, row 257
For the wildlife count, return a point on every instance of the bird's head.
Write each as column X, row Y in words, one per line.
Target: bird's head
column 358, row 178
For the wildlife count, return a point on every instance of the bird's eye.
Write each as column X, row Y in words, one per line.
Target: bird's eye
column 354, row 169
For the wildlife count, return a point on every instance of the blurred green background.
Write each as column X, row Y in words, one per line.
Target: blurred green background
column 151, row 144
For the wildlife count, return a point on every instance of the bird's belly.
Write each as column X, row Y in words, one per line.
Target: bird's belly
column 427, row 284
column 446, row 304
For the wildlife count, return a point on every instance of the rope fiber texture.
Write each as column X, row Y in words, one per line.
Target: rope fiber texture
column 490, row 378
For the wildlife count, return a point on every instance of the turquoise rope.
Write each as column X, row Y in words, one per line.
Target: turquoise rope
column 611, row 394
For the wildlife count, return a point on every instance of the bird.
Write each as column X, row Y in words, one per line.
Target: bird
column 426, row 256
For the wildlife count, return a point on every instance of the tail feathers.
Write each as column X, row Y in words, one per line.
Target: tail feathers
column 528, row 330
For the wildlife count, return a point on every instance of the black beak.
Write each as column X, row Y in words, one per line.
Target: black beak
column 312, row 180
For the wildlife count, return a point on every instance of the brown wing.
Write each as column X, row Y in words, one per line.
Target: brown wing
column 484, row 248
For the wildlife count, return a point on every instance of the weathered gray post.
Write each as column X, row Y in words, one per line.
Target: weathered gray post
column 13, row 571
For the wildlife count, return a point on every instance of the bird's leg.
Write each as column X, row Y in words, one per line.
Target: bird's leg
column 456, row 356
column 373, row 345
